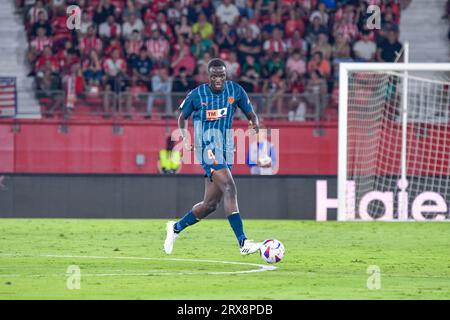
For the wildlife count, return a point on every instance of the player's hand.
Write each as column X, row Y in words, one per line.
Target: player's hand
column 265, row 165
column 253, row 126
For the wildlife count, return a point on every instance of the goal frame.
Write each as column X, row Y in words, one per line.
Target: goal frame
column 344, row 69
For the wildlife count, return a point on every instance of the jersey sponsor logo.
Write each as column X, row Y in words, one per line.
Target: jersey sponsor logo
column 212, row 115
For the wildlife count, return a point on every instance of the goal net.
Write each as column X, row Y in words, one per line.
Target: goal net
column 394, row 142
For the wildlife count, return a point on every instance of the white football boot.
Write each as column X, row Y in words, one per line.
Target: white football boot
column 250, row 247
column 170, row 237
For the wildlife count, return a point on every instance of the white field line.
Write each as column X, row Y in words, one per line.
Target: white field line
column 260, row 267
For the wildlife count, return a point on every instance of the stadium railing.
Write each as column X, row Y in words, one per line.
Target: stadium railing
column 151, row 105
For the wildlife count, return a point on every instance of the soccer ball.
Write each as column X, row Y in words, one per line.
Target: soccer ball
column 272, row 251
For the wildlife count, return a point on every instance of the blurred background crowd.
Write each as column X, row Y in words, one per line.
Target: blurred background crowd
column 287, row 50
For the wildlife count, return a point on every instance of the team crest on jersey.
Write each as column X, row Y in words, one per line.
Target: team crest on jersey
column 216, row 114
column 230, row 99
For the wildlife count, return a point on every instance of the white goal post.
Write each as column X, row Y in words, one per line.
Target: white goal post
column 394, row 141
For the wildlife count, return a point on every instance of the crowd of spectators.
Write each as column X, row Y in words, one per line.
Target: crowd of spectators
column 271, row 47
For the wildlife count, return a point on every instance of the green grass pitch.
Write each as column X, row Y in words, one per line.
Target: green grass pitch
column 327, row 260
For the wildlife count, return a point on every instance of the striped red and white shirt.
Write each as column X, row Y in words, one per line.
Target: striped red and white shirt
column 348, row 30
column 87, row 44
column 40, row 43
column 158, row 49
column 133, row 46
column 272, row 46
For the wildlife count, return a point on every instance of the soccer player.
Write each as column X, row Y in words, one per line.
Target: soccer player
column 213, row 105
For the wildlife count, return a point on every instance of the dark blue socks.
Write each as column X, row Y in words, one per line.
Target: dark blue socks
column 236, row 224
column 188, row 220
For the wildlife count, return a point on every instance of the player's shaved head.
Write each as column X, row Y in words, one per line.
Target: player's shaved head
column 216, row 65
column 217, row 74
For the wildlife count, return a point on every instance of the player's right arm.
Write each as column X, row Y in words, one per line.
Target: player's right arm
column 186, row 109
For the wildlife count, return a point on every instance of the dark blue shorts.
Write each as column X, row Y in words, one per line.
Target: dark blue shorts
column 210, row 168
column 215, row 162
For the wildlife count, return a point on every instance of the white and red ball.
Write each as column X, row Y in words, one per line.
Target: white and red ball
column 272, row 251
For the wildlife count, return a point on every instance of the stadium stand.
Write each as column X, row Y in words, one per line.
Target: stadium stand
column 138, row 58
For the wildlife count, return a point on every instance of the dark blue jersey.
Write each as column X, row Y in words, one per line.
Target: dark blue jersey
column 213, row 116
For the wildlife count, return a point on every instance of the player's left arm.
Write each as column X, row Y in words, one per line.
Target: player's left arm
column 246, row 107
column 253, row 121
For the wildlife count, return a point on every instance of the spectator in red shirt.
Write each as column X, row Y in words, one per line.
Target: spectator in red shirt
column 158, row 47
column 110, row 28
column 294, row 23
column 346, row 26
column 90, row 42
column 296, row 42
column 163, row 26
column 59, row 24
column 70, row 59
column 275, row 45
column 40, row 41
column 47, row 60
column 183, row 59
column 133, row 46
column 36, row 47
column 114, row 44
